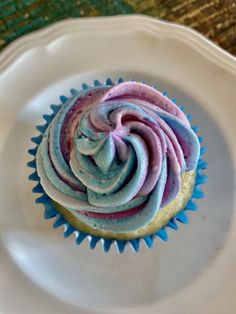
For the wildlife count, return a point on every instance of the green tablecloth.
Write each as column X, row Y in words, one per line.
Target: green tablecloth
column 214, row 18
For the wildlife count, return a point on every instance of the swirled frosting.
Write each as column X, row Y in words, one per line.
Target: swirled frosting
column 113, row 156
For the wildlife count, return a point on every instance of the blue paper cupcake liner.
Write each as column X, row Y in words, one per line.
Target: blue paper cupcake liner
column 50, row 211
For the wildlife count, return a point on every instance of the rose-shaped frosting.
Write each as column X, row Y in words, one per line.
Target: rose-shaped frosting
column 114, row 156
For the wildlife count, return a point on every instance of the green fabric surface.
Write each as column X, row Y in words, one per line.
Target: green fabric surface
column 215, row 18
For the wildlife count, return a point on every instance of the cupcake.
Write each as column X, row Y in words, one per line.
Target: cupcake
column 118, row 163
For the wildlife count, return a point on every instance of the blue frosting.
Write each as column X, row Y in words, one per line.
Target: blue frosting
column 137, row 221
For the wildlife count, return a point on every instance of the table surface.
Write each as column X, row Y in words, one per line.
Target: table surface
column 216, row 19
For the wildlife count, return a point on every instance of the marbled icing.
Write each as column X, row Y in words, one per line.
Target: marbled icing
column 114, row 156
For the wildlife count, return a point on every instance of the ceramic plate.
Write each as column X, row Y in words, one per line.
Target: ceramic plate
column 40, row 271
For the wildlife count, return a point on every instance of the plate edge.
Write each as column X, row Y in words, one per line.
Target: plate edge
column 46, row 35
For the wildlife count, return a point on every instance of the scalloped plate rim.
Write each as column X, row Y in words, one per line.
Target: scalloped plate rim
column 50, row 33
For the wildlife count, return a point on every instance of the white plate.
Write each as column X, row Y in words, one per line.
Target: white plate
column 40, row 271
